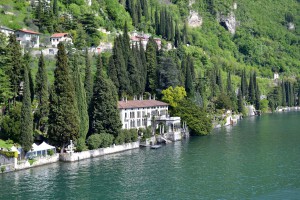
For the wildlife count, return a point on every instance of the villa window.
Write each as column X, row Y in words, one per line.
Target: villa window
column 139, row 114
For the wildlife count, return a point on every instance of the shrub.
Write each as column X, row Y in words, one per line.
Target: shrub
column 3, row 168
column 107, row 139
column 127, row 136
column 50, row 152
column 94, row 141
column 9, row 154
column 81, row 146
column 120, row 139
column 31, row 161
column 134, row 135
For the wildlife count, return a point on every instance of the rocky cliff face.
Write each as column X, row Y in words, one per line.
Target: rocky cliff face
column 229, row 22
column 194, row 19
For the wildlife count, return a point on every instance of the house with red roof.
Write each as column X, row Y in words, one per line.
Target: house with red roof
column 28, row 38
column 140, row 113
column 60, row 37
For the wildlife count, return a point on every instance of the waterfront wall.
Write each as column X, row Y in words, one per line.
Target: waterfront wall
column 71, row 157
column 38, row 162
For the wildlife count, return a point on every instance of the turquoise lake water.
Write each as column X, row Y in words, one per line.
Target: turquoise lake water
column 259, row 158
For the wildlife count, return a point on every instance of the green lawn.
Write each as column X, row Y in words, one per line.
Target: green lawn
column 4, row 145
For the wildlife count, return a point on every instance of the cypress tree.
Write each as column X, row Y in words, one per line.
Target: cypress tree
column 240, row 102
column 283, row 94
column 184, row 34
column 55, row 8
column 257, row 98
column 162, row 23
column 121, row 66
column 219, row 80
column 298, row 96
column 145, row 9
column 81, row 100
column 15, row 69
column 42, row 95
column 26, row 125
column 63, row 115
column 143, row 67
column 112, row 72
column 88, row 81
column 27, row 64
column 177, row 36
column 229, row 85
column 189, row 81
column 244, row 85
column 251, row 92
column 157, row 22
column 151, row 81
column 105, row 114
column 133, row 74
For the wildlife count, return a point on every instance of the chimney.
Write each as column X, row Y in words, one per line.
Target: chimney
column 149, row 96
column 122, row 98
column 154, row 97
column 125, row 99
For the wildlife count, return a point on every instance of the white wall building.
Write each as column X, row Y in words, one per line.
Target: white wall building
column 60, row 37
column 139, row 113
column 27, row 37
column 6, row 31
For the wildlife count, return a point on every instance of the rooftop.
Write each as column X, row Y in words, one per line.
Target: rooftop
column 28, row 31
column 58, row 35
column 140, row 104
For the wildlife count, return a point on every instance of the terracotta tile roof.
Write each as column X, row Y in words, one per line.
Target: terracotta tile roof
column 57, row 35
column 140, row 104
column 28, row 31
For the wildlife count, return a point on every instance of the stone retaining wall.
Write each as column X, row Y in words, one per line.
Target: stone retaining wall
column 71, row 157
column 39, row 161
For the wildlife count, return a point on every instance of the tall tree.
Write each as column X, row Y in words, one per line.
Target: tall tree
column 27, row 61
column 42, row 95
column 88, row 81
column 151, row 50
column 26, row 126
column 251, row 90
column 63, row 115
column 81, row 100
column 177, row 36
column 15, row 68
column 284, row 97
column 105, row 114
column 244, row 85
column 240, row 102
column 229, row 84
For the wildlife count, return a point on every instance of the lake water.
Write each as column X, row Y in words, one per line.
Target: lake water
column 259, row 158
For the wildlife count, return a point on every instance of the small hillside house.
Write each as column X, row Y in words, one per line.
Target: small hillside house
column 140, row 113
column 60, row 37
column 28, row 38
column 6, row 31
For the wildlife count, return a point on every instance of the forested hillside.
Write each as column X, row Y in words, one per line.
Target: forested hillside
column 214, row 55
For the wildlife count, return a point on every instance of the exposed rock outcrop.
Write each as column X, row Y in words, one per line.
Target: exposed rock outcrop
column 194, row 20
column 229, row 22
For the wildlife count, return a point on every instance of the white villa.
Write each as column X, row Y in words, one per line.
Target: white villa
column 139, row 113
column 136, row 38
column 60, row 37
column 27, row 37
column 6, row 31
